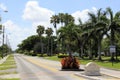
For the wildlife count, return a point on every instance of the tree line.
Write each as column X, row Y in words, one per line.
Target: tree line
column 89, row 39
column 5, row 47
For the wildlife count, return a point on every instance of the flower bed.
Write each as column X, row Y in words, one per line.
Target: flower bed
column 70, row 63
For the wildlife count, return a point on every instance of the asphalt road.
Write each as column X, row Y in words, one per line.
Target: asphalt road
column 34, row 68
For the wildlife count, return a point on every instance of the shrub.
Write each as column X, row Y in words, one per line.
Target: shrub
column 42, row 55
column 39, row 55
column 26, row 52
column 70, row 63
column 45, row 55
column 61, row 55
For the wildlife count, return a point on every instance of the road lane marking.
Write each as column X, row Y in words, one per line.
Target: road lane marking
column 50, row 68
column 41, row 64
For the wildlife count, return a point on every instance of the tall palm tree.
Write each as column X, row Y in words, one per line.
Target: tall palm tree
column 49, row 33
column 55, row 20
column 114, row 26
column 61, row 18
column 67, row 34
column 80, row 36
column 98, row 23
column 68, row 19
column 40, row 30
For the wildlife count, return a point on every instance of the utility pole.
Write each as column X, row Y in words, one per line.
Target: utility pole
column 6, row 45
column 3, row 42
column 2, row 54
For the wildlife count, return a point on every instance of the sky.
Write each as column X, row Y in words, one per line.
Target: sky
column 23, row 16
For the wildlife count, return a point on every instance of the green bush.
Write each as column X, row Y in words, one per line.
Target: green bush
column 42, row 55
column 39, row 55
column 45, row 55
column 61, row 55
column 26, row 53
column 32, row 53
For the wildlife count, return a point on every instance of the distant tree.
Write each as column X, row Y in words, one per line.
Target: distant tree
column 61, row 18
column 68, row 19
column 40, row 30
column 28, row 44
column 54, row 20
column 49, row 33
column 37, row 48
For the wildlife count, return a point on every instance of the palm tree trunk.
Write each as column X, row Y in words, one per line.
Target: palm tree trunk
column 68, row 49
column 99, row 49
column 89, row 51
column 51, row 47
column 56, row 31
column 112, row 42
column 41, row 45
column 48, row 47
column 81, row 51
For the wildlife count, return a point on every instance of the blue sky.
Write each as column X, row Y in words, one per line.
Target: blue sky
column 24, row 15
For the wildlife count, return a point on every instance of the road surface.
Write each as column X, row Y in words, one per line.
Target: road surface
column 34, row 68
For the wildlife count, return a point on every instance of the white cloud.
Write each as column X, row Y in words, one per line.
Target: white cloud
column 83, row 15
column 36, row 14
column 3, row 7
column 16, row 33
column 32, row 12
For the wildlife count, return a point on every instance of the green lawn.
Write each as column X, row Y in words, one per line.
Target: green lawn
column 106, row 63
column 11, row 79
column 8, row 64
column 4, row 73
column 53, row 58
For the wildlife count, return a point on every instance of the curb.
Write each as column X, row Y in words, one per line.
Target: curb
column 101, row 77
column 86, row 77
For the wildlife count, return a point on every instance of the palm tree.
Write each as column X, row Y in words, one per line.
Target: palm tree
column 67, row 34
column 99, row 27
column 55, row 20
column 49, row 33
column 80, row 36
column 114, row 26
column 61, row 18
column 40, row 31
column 68, row 19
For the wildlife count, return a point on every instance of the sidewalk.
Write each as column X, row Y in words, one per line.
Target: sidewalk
column 3, row 60
column 110, row 72
column 105, row 72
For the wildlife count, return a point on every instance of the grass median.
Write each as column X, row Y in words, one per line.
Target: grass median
column 8, row 64
column 8, row 68
column 11, row 79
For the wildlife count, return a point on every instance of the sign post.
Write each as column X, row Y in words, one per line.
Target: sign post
column 112, row 51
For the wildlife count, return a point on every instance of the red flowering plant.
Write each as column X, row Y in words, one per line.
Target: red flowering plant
column 70, row 62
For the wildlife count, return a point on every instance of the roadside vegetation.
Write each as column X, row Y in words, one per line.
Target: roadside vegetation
column 8, row 64
column 91, row 40
column 8, row 67
column 11, row 79
column 105, row 63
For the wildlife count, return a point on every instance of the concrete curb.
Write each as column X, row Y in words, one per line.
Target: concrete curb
column 101, row 77
column 86, row 77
